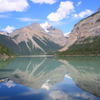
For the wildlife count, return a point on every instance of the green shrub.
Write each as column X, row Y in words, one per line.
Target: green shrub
column 4, row 50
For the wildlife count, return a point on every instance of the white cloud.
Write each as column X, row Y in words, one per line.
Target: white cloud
column 3, row 16
column 44, row 1
column 65, row 8
column 79, row 3
column 59, row 95
column 9, row 29
column 26, row 19
column 9, row 84
column 82, row 14
column 75, row 16
column 19, row 5
column 13, row 5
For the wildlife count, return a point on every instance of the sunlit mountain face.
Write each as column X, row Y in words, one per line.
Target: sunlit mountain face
column 34, row 39
column 50, row 78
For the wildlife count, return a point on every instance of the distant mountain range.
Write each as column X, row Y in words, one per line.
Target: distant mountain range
column 84, row 39
column 34, row 39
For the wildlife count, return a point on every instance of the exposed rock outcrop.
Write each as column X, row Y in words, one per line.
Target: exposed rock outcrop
column 86, row 28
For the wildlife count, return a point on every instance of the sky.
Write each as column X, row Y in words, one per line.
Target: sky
column 62, row 14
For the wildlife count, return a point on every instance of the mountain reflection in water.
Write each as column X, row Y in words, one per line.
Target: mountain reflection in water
column 41, row 78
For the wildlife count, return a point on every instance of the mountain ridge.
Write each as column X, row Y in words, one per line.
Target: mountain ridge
column 84, row 37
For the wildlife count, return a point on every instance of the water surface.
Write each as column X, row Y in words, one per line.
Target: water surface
column 50, row 78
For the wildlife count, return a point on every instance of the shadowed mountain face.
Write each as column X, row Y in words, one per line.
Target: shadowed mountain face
column 33, row 39
column 85, row 71
column 34, row 72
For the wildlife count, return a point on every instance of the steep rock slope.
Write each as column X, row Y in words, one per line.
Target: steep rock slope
column 32, row 39
column 85, row 32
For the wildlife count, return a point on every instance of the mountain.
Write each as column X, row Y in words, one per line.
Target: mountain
column 1, row 32
column 4, row 52
column 55, row 33
column 67, row 34
column 33, row 39
column 5, row 32
column 84, row 37
column 46, row 26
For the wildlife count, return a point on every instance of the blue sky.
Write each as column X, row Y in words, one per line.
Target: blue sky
column 62, row 14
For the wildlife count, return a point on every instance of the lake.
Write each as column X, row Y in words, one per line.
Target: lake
column 50, row 78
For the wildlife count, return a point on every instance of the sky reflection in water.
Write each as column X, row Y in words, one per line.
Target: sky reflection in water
column 50, row 79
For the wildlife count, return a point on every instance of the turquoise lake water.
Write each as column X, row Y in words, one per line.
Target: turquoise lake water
column 50, row 78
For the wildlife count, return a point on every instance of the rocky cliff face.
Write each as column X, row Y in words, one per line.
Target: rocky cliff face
column 33, row 39
column 86, row 28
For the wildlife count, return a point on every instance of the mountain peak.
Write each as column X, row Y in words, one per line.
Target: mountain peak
column 46, row 26
column 67, row 34
column 35, row 26
column 4, row 33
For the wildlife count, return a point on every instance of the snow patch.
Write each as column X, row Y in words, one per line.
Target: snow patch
column 46, row 26
column 68, row 76
column 46, row 85
column 67, row 34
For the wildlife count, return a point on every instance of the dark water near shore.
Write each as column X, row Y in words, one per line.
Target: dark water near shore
column 50, row 78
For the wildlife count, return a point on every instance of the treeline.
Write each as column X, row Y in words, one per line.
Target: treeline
column 6, row 51
column 87, row 48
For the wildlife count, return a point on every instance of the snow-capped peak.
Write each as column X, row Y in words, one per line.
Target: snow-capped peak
column 4, row 33
column 46, row 26
column 46, row 85
column 67, row 34
column 1, row 32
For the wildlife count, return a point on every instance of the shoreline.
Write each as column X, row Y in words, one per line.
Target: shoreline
column 37, row 56
column 4, row 57
column 78, row 55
